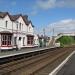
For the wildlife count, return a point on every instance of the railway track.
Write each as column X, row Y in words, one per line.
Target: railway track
column 28, row 66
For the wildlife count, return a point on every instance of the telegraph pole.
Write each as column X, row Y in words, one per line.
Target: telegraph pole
column 44, row 32
column 53, row 31
column 53, row 36
column 44, row 37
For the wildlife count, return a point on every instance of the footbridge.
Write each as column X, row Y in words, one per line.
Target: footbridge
column 54, row 38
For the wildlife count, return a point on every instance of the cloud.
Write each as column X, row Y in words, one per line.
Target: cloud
column 13, row 3
column 63, row 26
column 69, row 3
column 47, row 4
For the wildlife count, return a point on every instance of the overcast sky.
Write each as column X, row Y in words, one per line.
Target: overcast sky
column 44, row 13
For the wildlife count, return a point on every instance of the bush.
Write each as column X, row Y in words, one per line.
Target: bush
column 66, row 40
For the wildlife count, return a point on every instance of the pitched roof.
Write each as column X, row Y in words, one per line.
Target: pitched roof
column 25, row 18
column 15, row 17
column 3, row 14
column 31, row 23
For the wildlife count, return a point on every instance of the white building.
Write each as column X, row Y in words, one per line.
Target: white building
column 16, row 30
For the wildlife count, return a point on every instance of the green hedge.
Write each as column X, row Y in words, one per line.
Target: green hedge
column 66, row 40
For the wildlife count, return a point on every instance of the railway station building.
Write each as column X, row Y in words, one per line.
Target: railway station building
column 16, row 30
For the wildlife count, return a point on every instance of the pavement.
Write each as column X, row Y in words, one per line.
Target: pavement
column 68, row 68
column 25, row 50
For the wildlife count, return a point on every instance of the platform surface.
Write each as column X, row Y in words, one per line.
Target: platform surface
column 22, row 51
column 68, row 68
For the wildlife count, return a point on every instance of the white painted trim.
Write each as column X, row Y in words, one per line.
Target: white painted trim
column 55, row 71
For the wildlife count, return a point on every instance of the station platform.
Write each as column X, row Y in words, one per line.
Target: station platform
column 69, row 67
column 4, row 54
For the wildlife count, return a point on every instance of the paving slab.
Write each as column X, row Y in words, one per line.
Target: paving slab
column 68, row 68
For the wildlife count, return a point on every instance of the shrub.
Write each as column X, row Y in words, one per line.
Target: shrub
column 66, row 40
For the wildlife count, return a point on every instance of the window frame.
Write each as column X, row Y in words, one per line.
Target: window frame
column 15, row 42
column 6, row 23
column 6, row 40
column 20, row 26
column 30, row 40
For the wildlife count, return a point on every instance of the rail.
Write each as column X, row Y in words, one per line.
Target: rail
column 32, row 62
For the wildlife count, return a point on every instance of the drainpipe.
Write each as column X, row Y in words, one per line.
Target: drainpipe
column 17, row 35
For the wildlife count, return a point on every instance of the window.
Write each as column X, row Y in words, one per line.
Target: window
column 15, row 39
column 6, row 40
column 30, row 40
column 17, row 25
column 23, row 41
column 6, row 22
column 20, row 26
column 19, row 38
column 9, row 39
